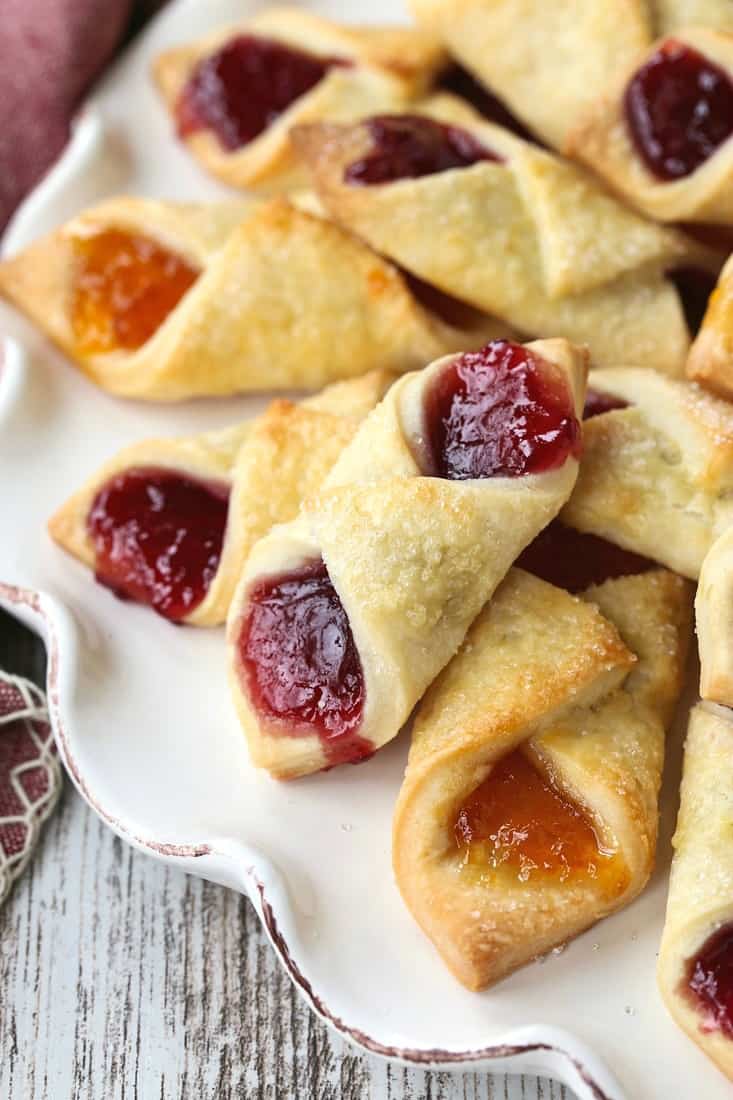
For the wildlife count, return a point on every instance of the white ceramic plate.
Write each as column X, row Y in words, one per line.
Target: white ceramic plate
column 145, row 726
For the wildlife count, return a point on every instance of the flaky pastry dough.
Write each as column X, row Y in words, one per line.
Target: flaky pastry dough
column 602, row 140
column 412, row 558
column 700, row 900
column 710, row 361
column 284, row 300
column 388, row 66
column 714, row 614
column 656, row 477
column 531, row 239
column 551, row 673
column 270, row 463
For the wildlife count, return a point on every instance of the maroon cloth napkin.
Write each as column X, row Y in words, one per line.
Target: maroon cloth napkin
column 30, row 777
column 50, row 52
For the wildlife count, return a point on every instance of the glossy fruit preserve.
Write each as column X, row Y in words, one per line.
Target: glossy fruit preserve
column 300, row 662
column 411, row 146
column 573, row 560
column 241, row 89
column 679, row 110
column 158, row 536
column 499, row 412
column 518, row 821
column 710, row 981
column 125, row 285
column 597, row 403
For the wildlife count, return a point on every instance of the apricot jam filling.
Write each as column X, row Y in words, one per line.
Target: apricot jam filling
column 124, row 287
column 519, row 823
column 158, row 536
column 239, row 90
column 679, row 110
column 499, row 412
column 411, row 146
column 709, row 981
column 573, row 560
column 300, row 663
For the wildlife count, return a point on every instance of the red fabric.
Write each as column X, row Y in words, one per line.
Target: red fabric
column 50, row 52
column 30, row 779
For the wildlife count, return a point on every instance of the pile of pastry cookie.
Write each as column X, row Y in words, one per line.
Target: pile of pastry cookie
column 448, row 227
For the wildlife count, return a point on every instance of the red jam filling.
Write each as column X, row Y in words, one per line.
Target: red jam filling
column 124, row 287
column 573, row 560
column 241, row 89
column 710, row 981
column 460, row 82
column 499, row 412
column 300, row 661
column 694, row 286
column 679, row 109
column 158, row 536
column 597, row 403
column 519, row 821
column 410, row 146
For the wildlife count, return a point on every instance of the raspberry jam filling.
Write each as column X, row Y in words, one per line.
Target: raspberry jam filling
column 679, row 110
column 694, row 286
column 125, row 285
column 158, row 536
column 572, row 560
column 520, row 822
column 597, row 403
column 460, row 82
column 241, row 89
column 300, row 661
column 410, row 146
column 499, row 412
column 709, row 981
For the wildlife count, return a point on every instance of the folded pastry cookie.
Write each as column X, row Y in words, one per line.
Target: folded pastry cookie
column 711, row 356
column 523, row 234
column 528, row 809
column 660, row 133
column 695, row 968
column 344, row 616
column 549, row 62
column 235, row 94
column 164, row 301
column 170, row 522
column 657, row 471
column 546, row 61
column 714, row 614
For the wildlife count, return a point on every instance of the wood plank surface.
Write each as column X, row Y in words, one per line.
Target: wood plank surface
column 123, row 979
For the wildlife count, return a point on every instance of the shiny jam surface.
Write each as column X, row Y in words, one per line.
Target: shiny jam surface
column 460, row 82
column 499, row 412
column 572, row 560
column 519, row 822
column 125, row 285
column 241, row 89
column 410, row 146
column 158, row 537
column 597, row 403
column 694, row 286
column 679, row 110
column 301, row 663
column 710, row 981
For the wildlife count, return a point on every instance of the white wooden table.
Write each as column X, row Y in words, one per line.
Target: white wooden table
column 124, row 979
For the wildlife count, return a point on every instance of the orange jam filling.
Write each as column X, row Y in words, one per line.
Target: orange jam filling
column 518, row 821
column 125, row 286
